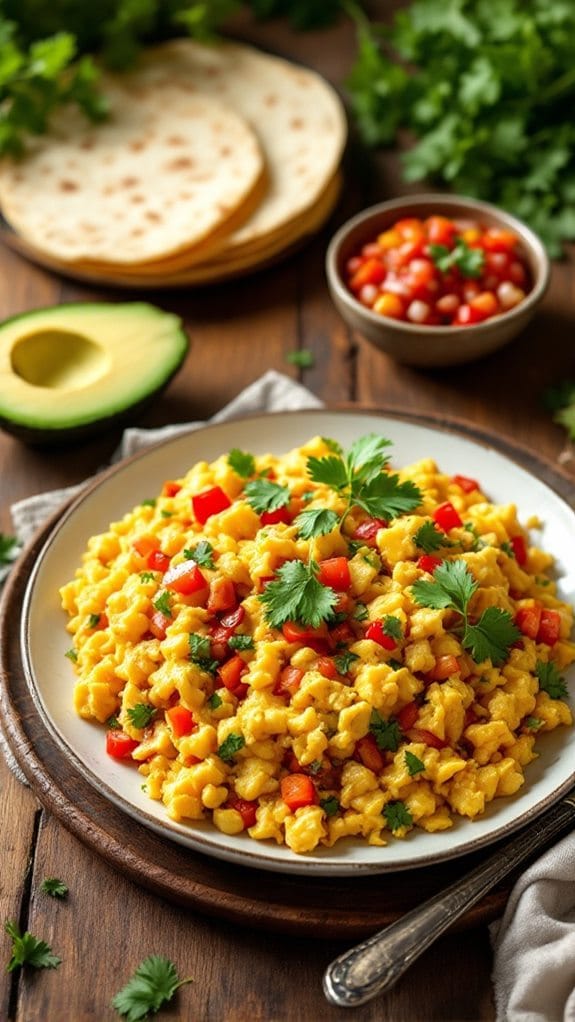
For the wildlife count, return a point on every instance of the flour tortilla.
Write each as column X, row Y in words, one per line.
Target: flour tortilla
column 168, row 172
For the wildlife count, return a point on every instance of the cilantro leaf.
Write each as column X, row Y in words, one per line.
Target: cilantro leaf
column 214, row 701
column 141, row 714
column 28, row 950
column 330, row 805
column 263, row 495
column 386, row 497
column 303, row 358
column 452, row 587
column 230, row 746
column 397, row 815
column 429, row 538
column 242, row 463
column 550, row 680
column 201, row 652
column 470, row 261
column 153, row 984
column 330, row 470
column 361, row 612
column 202, row 553
column 241, row 642
column 367, row 456
column 163, row 603
column 392, row 626
column 147, row 576
column 93, row 620
column 533, row 723
column 72, row 655
column 296, row 595
column 9, row 548
column 316, row 522
column 491, row 637
column 332, row 445
column 343, row 661
column 387, row 733
column 413, row 763
column 54, row 887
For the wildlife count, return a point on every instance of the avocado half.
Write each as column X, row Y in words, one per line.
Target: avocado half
column 69, row 372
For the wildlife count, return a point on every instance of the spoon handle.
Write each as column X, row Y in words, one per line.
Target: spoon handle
column 373, row 966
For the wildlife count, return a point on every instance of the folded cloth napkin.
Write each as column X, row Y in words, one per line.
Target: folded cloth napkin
column 272, row 392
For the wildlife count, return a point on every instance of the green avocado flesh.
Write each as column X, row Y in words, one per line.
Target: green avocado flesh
column 73, row 370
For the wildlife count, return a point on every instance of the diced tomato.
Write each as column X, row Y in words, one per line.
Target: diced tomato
column 528, row 619
column 498, row 239
column 368, row 530
column 326, row 666
column 222, row 595
column 371, row 271
column 209, row 502
column 119, row 745
column 427, row 562
column 233, row 619
column 298, row 790
column 170, row 488
column 444, row 667
column 157, row 561
column 466, row 315
column 281, row 514
column 376, row 633
column 519, row 548
column 231, row 671
column 146, row 544
column 485, row 303
column 407, row 716
column 244, row 807
column 465, row 483
column 341, row 635
column 292, row 632
column 446, row 517
column 158, row 624
column 440, row 230
column 181, row 721
column 334, row 572
column 549, row 627
column 368, row 752
column 419, row 734
column 185, row 578
column 288, row 681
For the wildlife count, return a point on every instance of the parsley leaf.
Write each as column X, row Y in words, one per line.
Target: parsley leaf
column 202, row 553
column 241, row 642
column 163, row 603
column 429, row 538
column 316, row 522
column 54, row 887
column 491, row 637
column 296, row 595
column 387, row 733
column 550, row 680
column 141, row 714
column 154, row 983
column 469, row 261
column 413, row 763
column 397, row 815
column 263, row 495
column 242, row 463
column 28, row 950
column 201, row 652
column 230, row 746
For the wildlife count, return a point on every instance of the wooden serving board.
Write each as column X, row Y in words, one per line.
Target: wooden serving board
column 323, row 907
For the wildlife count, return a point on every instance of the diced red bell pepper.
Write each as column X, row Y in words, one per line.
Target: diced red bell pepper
column 288, row 681
column 181, row 721
column 334, row 572
column 298, row 790
column 549, row 627
column 465, row 483
column 233, row 619
column 372, row 271
column 209, row 502
column 292, row 632
column 281, row 514
column 446, row 517
column 368, row 530
column 519, row 548
column 157, row 561
column 222, row 595
column 528, row 619
column 444, row 667
column 231, row 671
column 368, row 752
column 170, row 488
column 158, row 624
column 419, row 734
column 341, row 635
column 375, row 632
column 119, row 745
column 146, row 544
column 407, row 716
column 185, row 578
column 427, row 562
column 244, row 807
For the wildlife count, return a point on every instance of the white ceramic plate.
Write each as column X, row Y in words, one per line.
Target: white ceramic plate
column 49, row 674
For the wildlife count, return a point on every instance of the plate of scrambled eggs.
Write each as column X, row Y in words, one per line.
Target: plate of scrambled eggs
column 315, row 642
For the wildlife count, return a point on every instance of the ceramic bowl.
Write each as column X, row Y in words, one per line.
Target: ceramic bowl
column 422, row 345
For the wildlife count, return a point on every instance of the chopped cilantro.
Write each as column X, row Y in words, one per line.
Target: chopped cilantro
column 413, row 763
column 54, row 887
column 397, row 815
column 150, row 502
column 533, row 723
column 343, row 661
column 72, row 655
column 429, row 538
column 264, row 495
column 230, row 746
column 166, row 514
column 242, row 463
column 8, row 548
column 241, row 642
column 93, row 620
column 112, row 723
column 295, row 594
column 141, row 714
column 550, row 680
column 507, row 549
column 214, row 701
column 469, row 261
column 147, row 576
column 304, row 358
column 360, row 612
column 330, row 805
column 392, row 626
column 201, row 652
column 387, row 733
column 163, row 603
column 28, row 950
column 202, row 553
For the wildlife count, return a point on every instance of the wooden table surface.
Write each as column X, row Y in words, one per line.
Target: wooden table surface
column 238, row 330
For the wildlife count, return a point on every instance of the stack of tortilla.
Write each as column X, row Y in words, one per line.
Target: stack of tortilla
column 215, row 159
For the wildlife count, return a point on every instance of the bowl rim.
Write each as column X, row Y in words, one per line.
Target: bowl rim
column 478, row 206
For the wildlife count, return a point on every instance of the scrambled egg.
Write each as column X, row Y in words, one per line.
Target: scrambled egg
column 385, row 714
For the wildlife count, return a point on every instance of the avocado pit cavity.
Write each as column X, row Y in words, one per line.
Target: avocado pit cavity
column 58, row 359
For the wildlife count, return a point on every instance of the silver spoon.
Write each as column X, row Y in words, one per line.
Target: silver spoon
column 373, row 966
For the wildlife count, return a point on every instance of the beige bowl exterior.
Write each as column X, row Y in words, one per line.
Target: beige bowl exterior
column 432, row 345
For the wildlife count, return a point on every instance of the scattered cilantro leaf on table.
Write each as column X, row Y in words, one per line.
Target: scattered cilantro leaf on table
column 303, row 358
column 9, row 548
column 153, row 984
column 28, row 950
column 54, row 887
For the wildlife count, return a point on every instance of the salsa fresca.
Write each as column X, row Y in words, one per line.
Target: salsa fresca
column 439, row 271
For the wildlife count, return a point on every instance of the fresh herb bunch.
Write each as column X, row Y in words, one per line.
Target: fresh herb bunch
column 47, row 48
column 486, row 87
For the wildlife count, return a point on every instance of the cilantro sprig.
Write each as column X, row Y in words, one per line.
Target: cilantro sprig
column 469, row 261
column 452, row 587
column 295, row 594
column 550, row 680
column 265, row 495
column 28, row 950
column 429, row 538
column 153, row 984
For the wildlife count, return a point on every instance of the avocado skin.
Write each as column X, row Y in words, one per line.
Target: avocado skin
column 69, row 435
